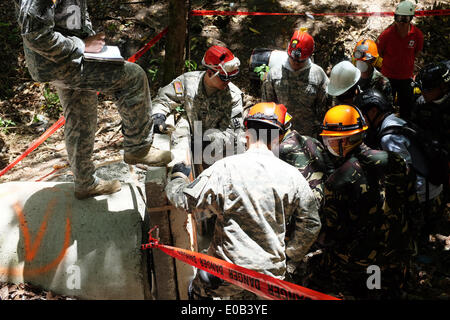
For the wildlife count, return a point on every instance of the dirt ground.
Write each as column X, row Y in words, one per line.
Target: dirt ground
column 28, row 108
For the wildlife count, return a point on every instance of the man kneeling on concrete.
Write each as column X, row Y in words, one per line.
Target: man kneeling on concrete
column 254, row 195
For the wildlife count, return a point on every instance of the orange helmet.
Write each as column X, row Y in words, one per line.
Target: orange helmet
column 342, row 129
column 223, row 61
column 270, row 113
column 365, row 49
column 301, row 46
column 343, row 120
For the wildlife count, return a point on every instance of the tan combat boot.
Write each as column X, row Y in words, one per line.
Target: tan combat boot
column 149, row 156
column 102, row 187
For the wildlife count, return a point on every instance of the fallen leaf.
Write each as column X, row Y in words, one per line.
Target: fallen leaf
column 254, row 30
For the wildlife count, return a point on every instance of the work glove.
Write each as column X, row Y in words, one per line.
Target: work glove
column 159, row 123
column 181, row 170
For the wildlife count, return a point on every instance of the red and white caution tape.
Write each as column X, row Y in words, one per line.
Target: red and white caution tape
column 419, row 13
column 35, row 144
column 261, row 284
column 145, row 48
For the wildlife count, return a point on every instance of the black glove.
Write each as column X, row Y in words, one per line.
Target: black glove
column 159, row 123
column 181, row 169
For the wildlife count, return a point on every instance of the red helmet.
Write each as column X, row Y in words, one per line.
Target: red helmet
column 223, row 61
column 301, row 46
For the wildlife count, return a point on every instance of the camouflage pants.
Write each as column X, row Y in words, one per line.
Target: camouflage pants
column 78, row 95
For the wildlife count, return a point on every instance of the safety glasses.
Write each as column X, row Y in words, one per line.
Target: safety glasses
column 228, row 77
column 404, row 19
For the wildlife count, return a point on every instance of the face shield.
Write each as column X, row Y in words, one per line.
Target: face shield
column 341, row 145
column 334, row 145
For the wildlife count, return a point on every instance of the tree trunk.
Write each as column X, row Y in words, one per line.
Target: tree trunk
column 176, row 39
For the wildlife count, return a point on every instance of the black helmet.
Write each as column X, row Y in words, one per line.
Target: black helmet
column 372, row 98
column 433, row 75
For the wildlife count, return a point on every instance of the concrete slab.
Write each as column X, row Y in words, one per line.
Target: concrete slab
column 89, row 249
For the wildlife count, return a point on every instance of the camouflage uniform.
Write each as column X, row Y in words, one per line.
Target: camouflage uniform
column 252, row 194
column 52, row 38
column 221, row 111
column 366, row 223
column 379, row 82
column 309, row 157
column 303, row 92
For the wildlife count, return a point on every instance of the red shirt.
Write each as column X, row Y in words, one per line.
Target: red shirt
column 399, row 53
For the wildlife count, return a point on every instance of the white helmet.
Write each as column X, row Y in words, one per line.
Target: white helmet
column 343, row 76
column 405, row 8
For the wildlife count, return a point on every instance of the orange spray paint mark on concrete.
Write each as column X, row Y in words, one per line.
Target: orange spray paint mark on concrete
column 31, row 248
column 30, row 251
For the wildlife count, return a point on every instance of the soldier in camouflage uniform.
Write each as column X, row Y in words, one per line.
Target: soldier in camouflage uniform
column 55, row 36
column 253, row 195
column 309, row 157
column 379, row 115
column 366, row 59
column 364, row 214
column 307, row 154
column 206, row 97
column 299, row 84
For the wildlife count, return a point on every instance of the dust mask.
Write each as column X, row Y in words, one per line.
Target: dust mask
column 362, row 66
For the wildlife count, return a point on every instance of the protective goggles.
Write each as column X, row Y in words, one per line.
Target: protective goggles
column 226, row 71
column 228, row 77
column 296, row 55
column 399, row 18
column 361, row 52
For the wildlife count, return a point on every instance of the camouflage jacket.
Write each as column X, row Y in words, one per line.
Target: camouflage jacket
column 366, row 212
column 52, row 33
column 218, row 117
column 303, row 92
column 221, row 110
column 309, row 157
column 379, row 82
column 253, row 195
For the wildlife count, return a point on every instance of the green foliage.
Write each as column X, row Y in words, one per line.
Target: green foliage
column 52, row 106
column 261, row 71
column 153, row 68
column 190, row 65
column 5, row 123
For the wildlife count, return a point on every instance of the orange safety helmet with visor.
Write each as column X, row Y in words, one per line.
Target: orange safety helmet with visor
column 366, row 51
column 271, row 113
column 343, row 129
column 222, row 61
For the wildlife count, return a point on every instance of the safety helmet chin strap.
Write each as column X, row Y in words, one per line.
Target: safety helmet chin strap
column 341, row 148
